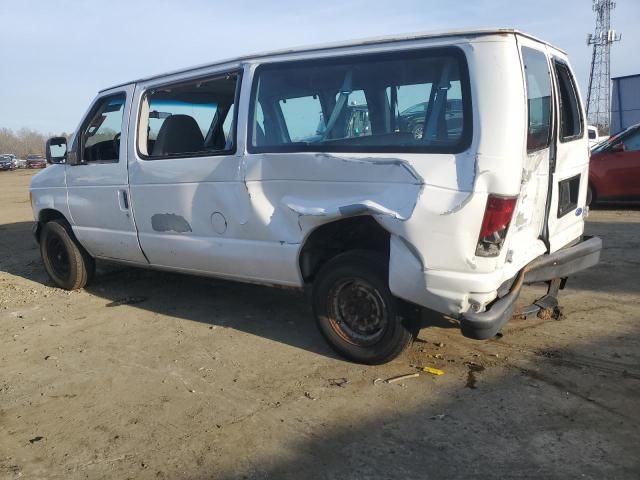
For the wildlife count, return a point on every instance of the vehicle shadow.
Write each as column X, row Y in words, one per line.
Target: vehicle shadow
column 563, row 413
column 279, row 314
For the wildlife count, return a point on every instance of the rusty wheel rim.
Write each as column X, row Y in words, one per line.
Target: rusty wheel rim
column 358, row 312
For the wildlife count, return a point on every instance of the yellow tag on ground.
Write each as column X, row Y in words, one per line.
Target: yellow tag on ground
column 433, row 371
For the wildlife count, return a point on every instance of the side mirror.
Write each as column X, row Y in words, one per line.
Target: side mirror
column 618, row 147
column 56, row 150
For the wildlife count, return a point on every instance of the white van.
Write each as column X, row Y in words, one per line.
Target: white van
column 442, row 171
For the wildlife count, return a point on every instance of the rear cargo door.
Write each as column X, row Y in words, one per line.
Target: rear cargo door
column 533, row 200
column 570, row 165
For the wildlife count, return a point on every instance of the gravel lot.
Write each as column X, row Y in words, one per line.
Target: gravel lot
column 157, row 375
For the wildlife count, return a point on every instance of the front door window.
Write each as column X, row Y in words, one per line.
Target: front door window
column 101, row 134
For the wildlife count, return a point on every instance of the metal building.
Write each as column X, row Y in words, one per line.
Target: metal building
column 625, row 102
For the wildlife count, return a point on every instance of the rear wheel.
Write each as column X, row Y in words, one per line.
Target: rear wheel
column 67, row 263
column 590, row 195
column 355, row 310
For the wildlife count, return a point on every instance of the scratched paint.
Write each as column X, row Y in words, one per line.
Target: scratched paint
column 169, row 222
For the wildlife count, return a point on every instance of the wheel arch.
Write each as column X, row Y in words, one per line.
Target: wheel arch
column 47, row 215
column 330, row 239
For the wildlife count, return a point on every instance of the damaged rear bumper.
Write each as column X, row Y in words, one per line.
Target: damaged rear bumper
column 559, row 264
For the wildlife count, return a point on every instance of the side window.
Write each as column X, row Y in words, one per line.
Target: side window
column 409, row 101
column 353, row 120
column 101, row 135
column 570, row 117
column 302, row 116
column 412, row 103
column 538, row 80
column 632, row 142
column 188, row 119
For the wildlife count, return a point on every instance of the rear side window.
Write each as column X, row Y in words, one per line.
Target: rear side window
column 402, row 102
column 189, row 119
column 538, row 80
column 571, row 123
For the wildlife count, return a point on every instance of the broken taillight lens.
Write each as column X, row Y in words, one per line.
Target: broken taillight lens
column 495, row 225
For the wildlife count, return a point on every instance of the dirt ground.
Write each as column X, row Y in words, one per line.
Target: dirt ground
column 156, row 375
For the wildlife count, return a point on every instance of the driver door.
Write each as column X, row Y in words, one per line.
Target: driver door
column 97, row 184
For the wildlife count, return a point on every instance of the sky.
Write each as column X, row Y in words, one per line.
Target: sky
column 56, row 55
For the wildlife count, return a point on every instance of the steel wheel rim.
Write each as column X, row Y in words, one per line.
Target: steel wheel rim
column 358, row 313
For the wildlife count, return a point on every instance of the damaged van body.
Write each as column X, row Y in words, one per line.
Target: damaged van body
column 440, row 170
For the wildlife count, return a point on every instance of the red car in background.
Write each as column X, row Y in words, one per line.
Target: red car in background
column 614, row 171
column 36, row 161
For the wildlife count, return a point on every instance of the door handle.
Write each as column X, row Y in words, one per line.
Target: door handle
column 123, row 200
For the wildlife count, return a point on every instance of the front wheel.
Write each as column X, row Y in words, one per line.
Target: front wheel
column 67, row 263
column 355, row 310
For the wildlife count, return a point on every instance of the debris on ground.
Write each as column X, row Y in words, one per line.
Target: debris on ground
column 35, row 439
column 399, row 378
column 433, row 370
column 439, row 416
column 554, row 313
column 548, row 353
column 50, row 357
column 309, row 396
column 338, row 382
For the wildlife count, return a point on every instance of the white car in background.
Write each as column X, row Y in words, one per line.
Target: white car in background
column 594, row 137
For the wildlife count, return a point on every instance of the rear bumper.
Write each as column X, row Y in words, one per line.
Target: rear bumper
column 559, row 264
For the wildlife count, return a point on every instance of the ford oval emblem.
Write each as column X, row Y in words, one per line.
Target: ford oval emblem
column 578, row 212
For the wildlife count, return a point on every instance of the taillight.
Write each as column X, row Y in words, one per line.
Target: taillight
column 495, row 225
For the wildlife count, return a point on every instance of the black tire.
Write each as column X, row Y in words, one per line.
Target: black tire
column 590, row 195
column 67, row 263
column 355, row 310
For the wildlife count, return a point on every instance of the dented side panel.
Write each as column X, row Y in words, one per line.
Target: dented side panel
column 247, row 216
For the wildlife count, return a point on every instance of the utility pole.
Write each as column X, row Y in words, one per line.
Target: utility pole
column 598, row 98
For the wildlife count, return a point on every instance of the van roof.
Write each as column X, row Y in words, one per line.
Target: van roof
column 345, row 44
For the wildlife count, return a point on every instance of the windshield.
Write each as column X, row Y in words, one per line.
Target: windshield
column 607, row 143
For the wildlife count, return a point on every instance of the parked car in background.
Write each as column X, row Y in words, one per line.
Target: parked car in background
column 12, row 157
column 594, row 137
column 6, row 162
column 20, row 163
column 412, row 119
column 353, row 121
column 614, row 171
column 36, row 161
